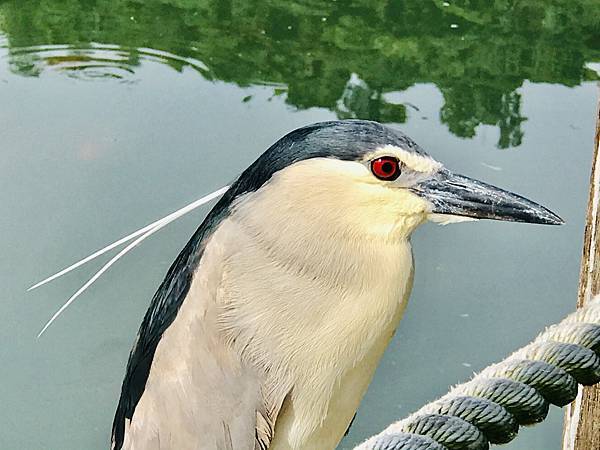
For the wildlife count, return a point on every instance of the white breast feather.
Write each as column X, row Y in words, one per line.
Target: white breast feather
column 313, row 293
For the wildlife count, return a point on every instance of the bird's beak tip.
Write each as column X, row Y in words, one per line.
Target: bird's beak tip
column 530, row 212
column 552, row 219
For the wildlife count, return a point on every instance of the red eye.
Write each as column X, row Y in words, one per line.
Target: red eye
column 385, row 168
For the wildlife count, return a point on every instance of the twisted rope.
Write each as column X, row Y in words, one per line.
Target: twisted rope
column 517, row 391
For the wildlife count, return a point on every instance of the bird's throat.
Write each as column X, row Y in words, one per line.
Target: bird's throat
column 322, row 315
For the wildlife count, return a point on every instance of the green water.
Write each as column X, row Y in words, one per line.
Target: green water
column 114, row 113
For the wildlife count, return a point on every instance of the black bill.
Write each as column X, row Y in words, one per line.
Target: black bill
column 463, row 196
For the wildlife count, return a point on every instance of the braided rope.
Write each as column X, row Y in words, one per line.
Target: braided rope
column 490, row 407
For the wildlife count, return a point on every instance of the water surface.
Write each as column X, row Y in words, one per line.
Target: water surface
column 114, row 113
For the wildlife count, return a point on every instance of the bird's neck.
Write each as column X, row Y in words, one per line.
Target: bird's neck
column 312, row 296
column 332, row 232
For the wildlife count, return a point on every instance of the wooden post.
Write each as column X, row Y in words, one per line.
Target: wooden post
column 582, row 417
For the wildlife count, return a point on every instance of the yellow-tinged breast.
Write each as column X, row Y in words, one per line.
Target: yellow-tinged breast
column 314, row 291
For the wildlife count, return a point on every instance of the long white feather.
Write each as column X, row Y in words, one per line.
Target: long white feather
column 176, row 214
column 159, row 224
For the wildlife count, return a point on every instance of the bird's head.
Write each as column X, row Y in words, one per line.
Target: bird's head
column 368, row 178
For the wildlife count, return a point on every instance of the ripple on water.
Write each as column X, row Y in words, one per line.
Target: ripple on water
column 93, row 61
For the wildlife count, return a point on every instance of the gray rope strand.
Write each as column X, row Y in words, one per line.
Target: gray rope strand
column 490, row 407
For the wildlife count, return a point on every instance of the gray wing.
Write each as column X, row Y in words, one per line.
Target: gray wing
column 183, row 387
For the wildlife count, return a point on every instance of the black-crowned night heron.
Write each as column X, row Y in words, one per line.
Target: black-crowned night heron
column 269, row 325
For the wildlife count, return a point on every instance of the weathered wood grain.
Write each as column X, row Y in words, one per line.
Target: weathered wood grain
column 582, row 417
